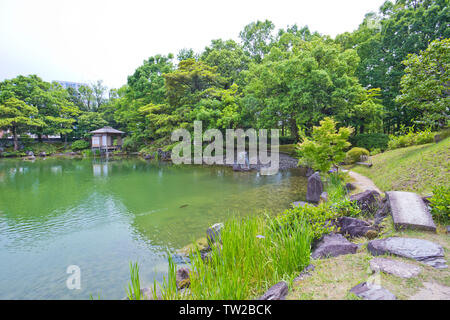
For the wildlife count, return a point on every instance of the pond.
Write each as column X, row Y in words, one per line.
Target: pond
column 100, row 215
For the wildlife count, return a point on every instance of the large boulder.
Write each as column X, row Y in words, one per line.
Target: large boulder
column 421, row 250
column 410, row 211
column 333, row 245
column 368, row 201
column 369, row 291
column 396, row 268
column 314, row 188
column 353, row 227
column 277, row 292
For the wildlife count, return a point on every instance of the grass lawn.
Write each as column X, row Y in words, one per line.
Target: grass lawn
column 416, row 168
column 334, row 277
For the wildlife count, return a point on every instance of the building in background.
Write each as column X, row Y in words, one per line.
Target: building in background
column 69, row 84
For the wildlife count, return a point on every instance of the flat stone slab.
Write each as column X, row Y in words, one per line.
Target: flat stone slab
column 333, row 245
column 410, row 211
column 432, row 291
column 396, row 268
column 424, row 251
column 372, row 292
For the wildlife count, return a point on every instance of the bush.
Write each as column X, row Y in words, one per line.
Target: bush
column 132, row 143
column 326, row 146
column 370, row 141
column 87, row 153
column 37, row 148
column 375, row 151
column 411, row 139
column 354, row 155
column 440, row 204
column 80, row 145
column 317, row 217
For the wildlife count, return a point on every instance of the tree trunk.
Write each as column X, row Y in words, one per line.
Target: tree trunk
column 361, row 129
column 294, row 129
column 16, row 142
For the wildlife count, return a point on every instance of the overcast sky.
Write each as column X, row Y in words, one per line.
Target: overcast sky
column 83, row 41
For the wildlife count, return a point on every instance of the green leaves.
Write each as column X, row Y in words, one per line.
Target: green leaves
column 326, row 146
column 424, row 86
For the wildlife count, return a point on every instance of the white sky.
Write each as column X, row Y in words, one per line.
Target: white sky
column 84, row 41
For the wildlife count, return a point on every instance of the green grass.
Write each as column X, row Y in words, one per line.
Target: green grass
column 134, row 288
column 256, row 253
column 416, row 168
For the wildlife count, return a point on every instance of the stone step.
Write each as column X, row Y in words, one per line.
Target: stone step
column 410, row 211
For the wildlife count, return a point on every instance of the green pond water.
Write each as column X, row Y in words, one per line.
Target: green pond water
column 100, row 215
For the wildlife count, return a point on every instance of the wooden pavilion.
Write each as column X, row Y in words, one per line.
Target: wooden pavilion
column 106, row 139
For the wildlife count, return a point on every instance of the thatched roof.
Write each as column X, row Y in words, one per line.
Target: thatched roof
column 107, row 130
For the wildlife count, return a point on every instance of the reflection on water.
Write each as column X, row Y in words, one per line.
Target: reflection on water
column 101, row 215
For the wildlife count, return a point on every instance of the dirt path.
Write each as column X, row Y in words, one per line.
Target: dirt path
column 362, row 182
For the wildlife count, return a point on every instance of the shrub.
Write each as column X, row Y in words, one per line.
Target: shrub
column 370, row 141
column 326, row 146
column 132, row 143
column 375, row 151
column 317, row 217
column 87, row 153
column 80, row 145
column 411, row 139
column 354, row 155
column 440, row 204
column 48, row 148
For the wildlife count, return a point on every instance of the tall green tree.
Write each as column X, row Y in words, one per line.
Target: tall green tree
column 301, row 85
column 229, row 58
column 425, row 86
column 257, row 38
column 385, row 39
column 18, row 117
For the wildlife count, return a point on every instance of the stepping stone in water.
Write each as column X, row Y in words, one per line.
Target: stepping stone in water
column 421, row 250
column 410, row 211
column 396, row 268
column 369, row 291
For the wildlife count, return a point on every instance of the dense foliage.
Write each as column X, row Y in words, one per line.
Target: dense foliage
column 390, row 73
column 354, row 154
column 440, row 204
column 326, row 147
